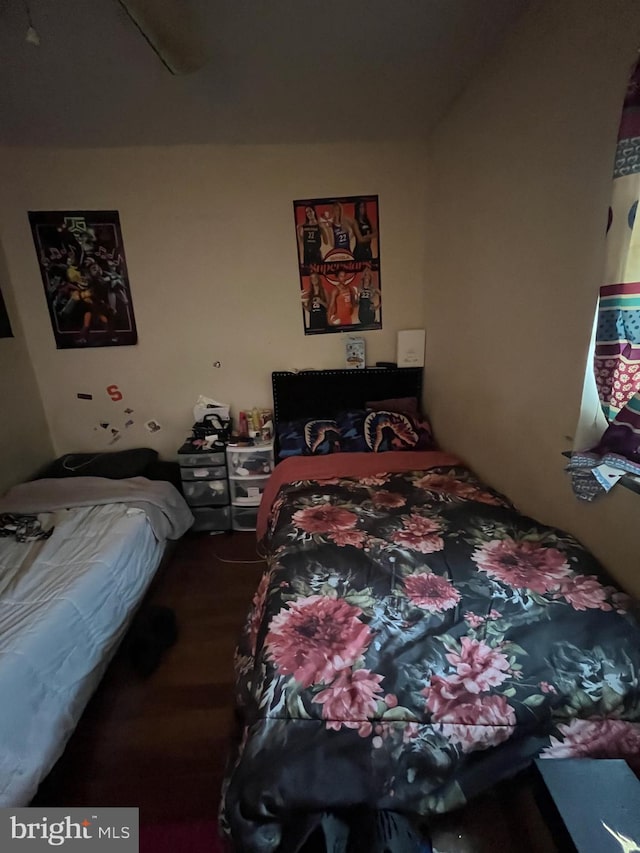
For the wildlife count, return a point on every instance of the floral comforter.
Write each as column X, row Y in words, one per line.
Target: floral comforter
column 413, row 641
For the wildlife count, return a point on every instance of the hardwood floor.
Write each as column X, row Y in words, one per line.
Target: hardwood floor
column 160, row 743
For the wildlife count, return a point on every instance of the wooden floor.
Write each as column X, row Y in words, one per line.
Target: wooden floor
column 160, row 743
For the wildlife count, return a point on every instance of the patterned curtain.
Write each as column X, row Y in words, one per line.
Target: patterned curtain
column 617, row 345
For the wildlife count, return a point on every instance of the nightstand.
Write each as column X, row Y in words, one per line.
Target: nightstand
column 249, row 470
column 205, row 485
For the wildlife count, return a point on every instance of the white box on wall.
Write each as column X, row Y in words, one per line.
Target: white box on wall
column 410, row 351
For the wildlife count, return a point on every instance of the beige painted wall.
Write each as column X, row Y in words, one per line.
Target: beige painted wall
column 521, row 175
column 210, row 244
column 25, row 444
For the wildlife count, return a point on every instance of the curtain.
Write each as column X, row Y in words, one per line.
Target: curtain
column 617, row 341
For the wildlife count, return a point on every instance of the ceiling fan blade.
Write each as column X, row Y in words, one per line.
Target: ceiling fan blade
column 174, row 31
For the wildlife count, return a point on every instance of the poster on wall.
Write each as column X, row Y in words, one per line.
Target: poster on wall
column 84, row 273
column 5, row 324
column 339, row 263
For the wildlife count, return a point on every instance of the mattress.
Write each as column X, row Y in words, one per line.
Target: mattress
column 65, row 604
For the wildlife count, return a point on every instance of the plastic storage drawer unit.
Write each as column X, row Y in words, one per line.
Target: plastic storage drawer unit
column 247, row 491
column 211, row 518
column 249, row 471
column 214, row 472
column 206, row 492
column 199, row 460
column 244, row 517
column 205, row 485
column 255, row 461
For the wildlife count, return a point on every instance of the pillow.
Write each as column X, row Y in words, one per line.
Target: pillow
column 404, row 405
column 162, row 470
column 351, row 428
column 384, row 430
column 308, row 437
column 117, row 465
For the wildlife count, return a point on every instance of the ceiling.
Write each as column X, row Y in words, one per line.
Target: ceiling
column 278, row 71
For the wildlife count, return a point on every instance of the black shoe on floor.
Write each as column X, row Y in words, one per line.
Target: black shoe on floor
column 154, row 630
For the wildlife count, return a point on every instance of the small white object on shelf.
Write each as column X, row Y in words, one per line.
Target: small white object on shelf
column 410, row 351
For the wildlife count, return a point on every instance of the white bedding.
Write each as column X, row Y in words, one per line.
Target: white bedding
column 65, row 605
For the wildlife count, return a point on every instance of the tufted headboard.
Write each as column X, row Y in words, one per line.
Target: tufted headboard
column 324, row 393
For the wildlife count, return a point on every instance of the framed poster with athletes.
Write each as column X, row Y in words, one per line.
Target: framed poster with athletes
column 338, row 241
column 84, row 273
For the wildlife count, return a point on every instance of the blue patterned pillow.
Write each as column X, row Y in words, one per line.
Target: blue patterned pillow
column 351, row 427
column 376, row 432
column 397, row 431
column 308, row 437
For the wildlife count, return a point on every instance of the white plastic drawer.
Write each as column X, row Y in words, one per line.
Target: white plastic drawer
column 206, row 492
column 247, row 490
column 244, row 517
column 214, row 472
column 200, row 460
column 250, row 461
column 211, row 518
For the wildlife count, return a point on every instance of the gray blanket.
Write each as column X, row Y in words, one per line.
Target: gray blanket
column 166, row 509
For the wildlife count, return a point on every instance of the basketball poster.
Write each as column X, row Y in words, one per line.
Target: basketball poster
column 338, row 243
column 84, row 273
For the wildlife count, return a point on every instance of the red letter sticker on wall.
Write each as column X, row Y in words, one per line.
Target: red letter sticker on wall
column 114, row 392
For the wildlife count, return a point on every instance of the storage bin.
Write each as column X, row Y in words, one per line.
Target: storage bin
column 216, row 472
column 200, row 460
column 244, row 517
column 191, row 455
column 211, row 518
column 247, row 490
column 250, row 461
column 206, row 492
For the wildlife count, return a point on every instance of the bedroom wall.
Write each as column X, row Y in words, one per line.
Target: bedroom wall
column 210, row 245
column 521, row 175
column 25, row 444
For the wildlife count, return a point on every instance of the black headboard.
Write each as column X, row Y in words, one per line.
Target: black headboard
column 324, row 393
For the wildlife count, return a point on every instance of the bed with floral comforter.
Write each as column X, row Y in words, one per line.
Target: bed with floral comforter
column 413, row 641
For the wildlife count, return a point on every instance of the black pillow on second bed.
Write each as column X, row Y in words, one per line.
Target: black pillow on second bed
column 117, row 465
column 114, row 465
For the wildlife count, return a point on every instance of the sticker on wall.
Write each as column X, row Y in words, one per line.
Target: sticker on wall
column 128, row 424
column 5, row 323
column 153, row 426
column 104, row 425
column 128, row 411
column 339, row 264
column 84, row 396
column 84, row 273
column 115, row 393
